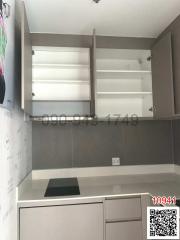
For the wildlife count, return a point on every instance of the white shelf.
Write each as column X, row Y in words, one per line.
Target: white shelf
column 124, row 71
column 123, row 74
column 61, row 66
column 124, row 93
column 60, row 81
column 123, row 83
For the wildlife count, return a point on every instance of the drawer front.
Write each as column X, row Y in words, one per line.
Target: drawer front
column 70, row 222
column 123, row 209
column 124, row 231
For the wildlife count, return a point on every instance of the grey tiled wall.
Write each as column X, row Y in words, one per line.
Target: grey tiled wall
column 149, row 142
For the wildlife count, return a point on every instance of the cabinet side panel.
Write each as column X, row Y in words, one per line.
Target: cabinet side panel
column 162, row 77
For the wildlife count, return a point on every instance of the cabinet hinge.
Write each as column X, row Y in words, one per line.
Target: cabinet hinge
column 149, row 58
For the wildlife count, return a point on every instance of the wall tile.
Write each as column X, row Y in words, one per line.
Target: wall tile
column 147, row 143
column 89, row 146
column 52, row 146
column 96, row 145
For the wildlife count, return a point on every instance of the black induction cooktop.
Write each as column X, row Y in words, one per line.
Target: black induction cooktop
column 62, row 187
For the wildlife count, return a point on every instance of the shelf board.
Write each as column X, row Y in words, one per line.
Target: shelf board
column 124, row 71
column 61, row 66
column 124, row 93
column 123, row 74
column 60, row 81
column 34, row 100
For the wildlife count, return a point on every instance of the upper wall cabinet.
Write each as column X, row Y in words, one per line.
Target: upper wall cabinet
column 61, row 81
column 162, row 72
column 174, row 40
column 176, row 63
column 26, row 64
column 123, row 83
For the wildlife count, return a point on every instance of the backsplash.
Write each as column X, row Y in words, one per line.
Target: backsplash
column 88, row 146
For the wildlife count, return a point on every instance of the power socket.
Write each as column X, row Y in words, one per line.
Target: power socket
column 115, row 161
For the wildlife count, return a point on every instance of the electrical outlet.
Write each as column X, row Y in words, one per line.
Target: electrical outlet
column 115, row 161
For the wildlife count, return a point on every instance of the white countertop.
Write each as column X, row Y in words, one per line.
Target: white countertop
column 31, row 192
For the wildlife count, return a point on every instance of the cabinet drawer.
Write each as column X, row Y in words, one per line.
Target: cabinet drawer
column 123, row 209
column 124, row 230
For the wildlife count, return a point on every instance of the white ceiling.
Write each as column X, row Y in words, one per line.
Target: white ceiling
column 138, row 18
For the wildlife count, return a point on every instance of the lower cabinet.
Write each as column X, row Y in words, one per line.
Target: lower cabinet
column 111, row 219
column 131, row 230
column 123, row 209
column 70, row 222
column 123, row 219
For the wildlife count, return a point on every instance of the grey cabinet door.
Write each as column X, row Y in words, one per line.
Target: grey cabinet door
column 162, row 77
column 26, row 63
column 70, row 222
column 93, row 73
column 176, row 66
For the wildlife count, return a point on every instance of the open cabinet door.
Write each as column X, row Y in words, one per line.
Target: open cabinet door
column 93, row 73
column 26, row 64
column 162, row 78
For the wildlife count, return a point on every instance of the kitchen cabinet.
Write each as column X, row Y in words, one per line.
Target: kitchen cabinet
column 102, row 82
column 123, row 83
column 69, row 222
column 123, row 209
column 69, row 82
column 162, row 73
column 26, row 63
column 93, row 81
column 121, row 215
column 173, row 29
column 176, row 63
column 61, row 81
column 131, row 230
column 111, row 218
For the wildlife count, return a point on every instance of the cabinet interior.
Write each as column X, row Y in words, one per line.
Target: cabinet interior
column 61, row 81
column 123, row 83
